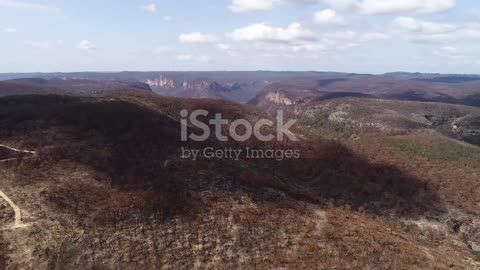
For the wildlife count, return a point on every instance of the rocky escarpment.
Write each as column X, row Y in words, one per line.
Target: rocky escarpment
column 279, row 98
column 468, row 128
column 468, row 230
column 202, row 88
column 165, row 83
column 162, row 82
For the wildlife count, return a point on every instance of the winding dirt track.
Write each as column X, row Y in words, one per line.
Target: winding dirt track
column 18, row 212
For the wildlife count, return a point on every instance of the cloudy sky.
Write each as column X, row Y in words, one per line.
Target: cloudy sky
column 373, row 36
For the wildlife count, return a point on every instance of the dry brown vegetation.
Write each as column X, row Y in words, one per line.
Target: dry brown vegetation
column 108, row 191
column 453, row 168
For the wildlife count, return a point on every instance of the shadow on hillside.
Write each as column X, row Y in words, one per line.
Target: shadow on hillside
column 472, row 100
column 124, row 141
column 330, row 172
column 138, row 149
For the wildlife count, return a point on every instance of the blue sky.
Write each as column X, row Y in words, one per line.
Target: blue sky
column 373, row 36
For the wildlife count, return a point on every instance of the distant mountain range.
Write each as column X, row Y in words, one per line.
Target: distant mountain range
column 444, row 89
column 254, row 86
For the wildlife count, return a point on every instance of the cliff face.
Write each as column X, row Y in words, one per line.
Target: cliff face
column 467, row 127
column 166, row 83
column 162, row 82
column 198, row 85
column 279, row 98
column 186, row 88
column 239, row 91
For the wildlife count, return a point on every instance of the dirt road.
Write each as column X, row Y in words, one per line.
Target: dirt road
column 18, row 212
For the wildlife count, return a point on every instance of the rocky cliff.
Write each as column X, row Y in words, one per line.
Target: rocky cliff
column 240, row 91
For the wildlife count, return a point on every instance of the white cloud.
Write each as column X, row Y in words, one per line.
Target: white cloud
column 267, row 33
column 86, row 45
column 413, row 25
column 394, row 6
column 326, row 44
column 16, row 4
column 253, row 5
column 451, row 54
column 192, row 58
column 342, row 4
column 350, row 37
column 197, row 38
column 328, row 16
column 222, row 46
column 372, row 36
column 470, row 31
column 150, row 7
column 263, row 5
column 446, row 50
column 297, row 40
column 424, row 31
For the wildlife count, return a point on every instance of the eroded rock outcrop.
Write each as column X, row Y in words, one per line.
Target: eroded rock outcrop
column 162, row 82
column 279, row 98
column 468, row 128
